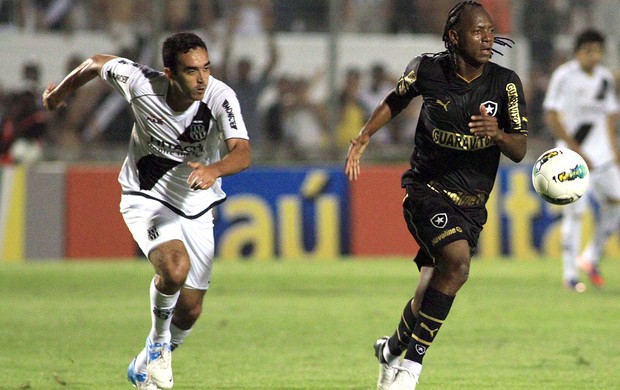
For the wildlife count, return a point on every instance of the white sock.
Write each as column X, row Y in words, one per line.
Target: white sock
column 412, row 366
column 571, row 242
column 608, row 224
column 141, row 361
column 392, row 360
column 177, row 335
column 161, row 314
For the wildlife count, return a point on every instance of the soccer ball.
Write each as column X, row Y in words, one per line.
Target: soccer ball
column 560, row 176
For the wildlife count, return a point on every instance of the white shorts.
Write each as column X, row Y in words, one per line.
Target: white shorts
column 151, row 224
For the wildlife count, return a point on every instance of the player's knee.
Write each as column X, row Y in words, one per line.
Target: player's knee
column 187, row 316
column 461, row 272
column 174, row 269
column 456, row 271
column 175, row 276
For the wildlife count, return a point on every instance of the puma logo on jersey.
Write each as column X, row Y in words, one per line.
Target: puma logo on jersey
column 445, row 106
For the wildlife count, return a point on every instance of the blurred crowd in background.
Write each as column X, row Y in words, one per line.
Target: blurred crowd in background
column 287, row 120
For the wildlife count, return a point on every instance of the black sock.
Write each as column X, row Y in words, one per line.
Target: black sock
column 433, row 311
column 401, row 337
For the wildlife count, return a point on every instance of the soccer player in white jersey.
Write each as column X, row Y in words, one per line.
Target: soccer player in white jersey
column 171, row 180
column 581, row 109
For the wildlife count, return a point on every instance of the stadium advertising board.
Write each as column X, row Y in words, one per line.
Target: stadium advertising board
column 285, row 212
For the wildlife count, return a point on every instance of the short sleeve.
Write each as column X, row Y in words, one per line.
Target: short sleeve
column 228, row 116
column 553, row 96
column 407, row 83
column 122, row 74
column 517, row 108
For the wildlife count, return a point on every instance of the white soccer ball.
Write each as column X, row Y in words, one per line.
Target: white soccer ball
column 560, row 176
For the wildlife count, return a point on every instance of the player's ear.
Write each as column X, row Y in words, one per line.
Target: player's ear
column 453, row 36
column 168, row 72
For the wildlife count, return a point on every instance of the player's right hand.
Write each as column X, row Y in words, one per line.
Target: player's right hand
column 357, row 147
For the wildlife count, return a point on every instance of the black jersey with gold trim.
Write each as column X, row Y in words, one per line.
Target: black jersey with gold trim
column 445, row 153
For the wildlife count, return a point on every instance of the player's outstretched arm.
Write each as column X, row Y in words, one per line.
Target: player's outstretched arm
column 54, row 95
column 381, row 115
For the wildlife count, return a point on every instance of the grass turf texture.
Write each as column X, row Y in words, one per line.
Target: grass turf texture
column 308, row 325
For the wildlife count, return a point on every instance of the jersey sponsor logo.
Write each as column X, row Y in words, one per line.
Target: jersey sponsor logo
column 439, row 220
column 460, row 141
column 231, row 115
column 460, row 198
column 445, row 106
column 118, row 77
column 405, row 83
column 491, row 107
column 176, row 149
column 446, row 233
column 513, row 106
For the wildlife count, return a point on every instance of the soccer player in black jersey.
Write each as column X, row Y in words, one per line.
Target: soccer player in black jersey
column 473, row 111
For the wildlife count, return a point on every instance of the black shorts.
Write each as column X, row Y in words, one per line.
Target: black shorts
column 434, row 221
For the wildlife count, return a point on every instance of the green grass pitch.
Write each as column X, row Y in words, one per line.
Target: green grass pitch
column 309, row 324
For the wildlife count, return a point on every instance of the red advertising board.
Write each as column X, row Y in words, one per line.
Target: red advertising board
column 377, row 223
column 95, row 227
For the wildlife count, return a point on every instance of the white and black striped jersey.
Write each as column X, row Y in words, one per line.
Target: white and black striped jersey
column 584, row 101
column 164, row 141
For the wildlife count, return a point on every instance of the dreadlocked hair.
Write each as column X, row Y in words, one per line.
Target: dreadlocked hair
column 454, row 17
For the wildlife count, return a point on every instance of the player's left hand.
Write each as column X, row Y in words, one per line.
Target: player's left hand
column 201, row 177
column 484, row 125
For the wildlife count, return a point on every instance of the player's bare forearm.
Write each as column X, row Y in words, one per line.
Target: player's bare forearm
column 54, row 95
column 513, row 146
column 378, row 119
column 237, row 159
